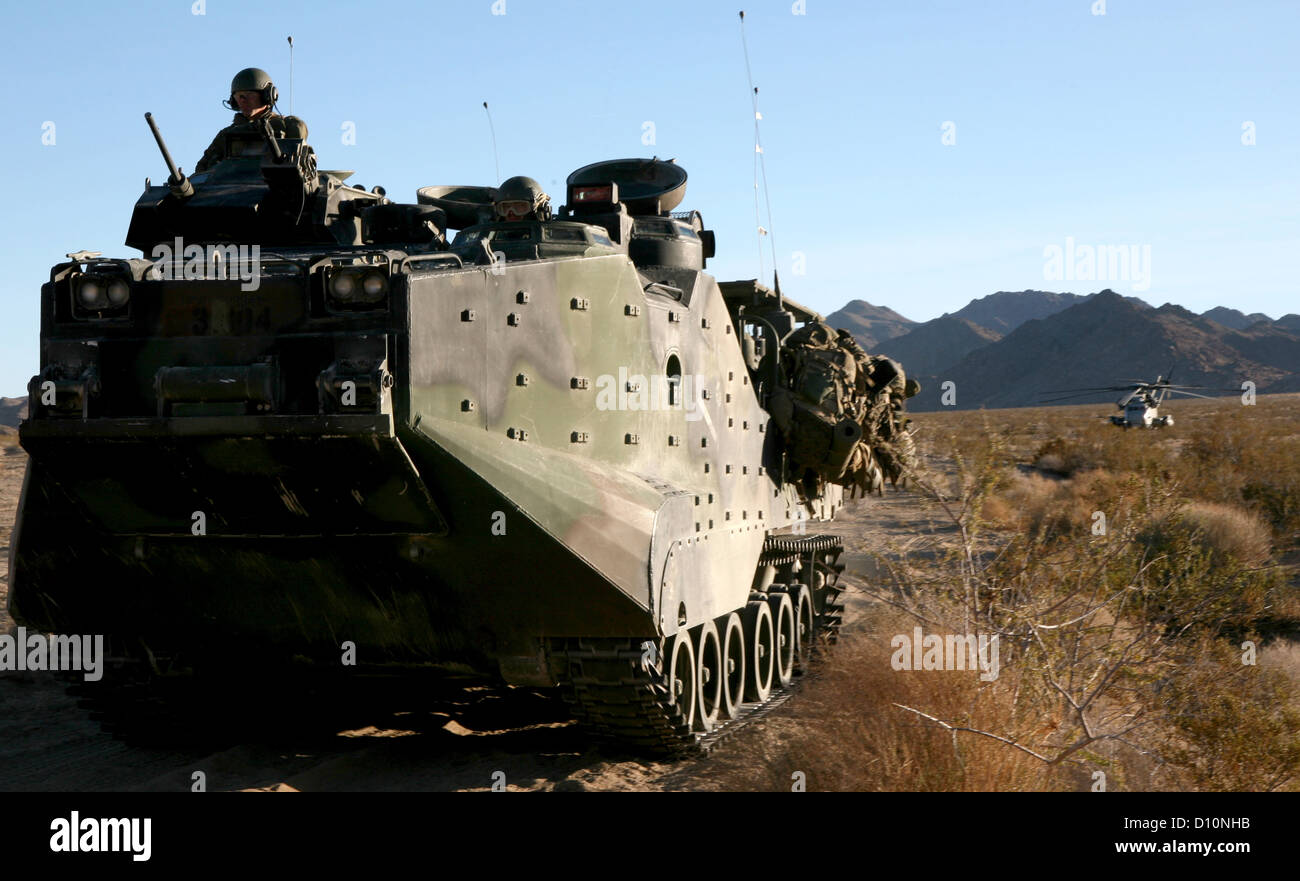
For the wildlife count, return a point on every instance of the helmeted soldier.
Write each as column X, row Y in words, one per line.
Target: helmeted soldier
column 521, row 198
column 254, row 95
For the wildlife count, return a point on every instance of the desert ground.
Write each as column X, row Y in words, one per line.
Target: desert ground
column 460, row 742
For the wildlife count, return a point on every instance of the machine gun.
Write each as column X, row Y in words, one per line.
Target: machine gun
column 291, row 172
column 178, row 183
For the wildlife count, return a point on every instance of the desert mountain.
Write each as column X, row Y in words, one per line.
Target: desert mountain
column 1107, row 338
column 1289, row 322
column 930, row 347
column 13, row 411
column 1234, row 318
column 1004, row 311
column 870, row 325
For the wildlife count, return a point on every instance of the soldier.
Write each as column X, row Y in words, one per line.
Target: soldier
column 254, row 95
column 521, row 198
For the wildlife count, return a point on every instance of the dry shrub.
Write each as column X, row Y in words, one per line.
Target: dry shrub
column 1278, row 501
column 1283, row 655
column 1231, row 459
column 1235, row 727
column 1207, row 568
column 1230, row 530
column 845, row 732
column 1032, row 504
column 1024, row 503
column 1066, row 457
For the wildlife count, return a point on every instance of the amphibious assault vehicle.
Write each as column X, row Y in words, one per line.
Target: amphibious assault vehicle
column 305, row 426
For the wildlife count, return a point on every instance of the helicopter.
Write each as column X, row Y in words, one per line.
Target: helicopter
column 1140, row 407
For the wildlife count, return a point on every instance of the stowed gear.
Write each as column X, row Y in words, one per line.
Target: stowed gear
column 840, row 410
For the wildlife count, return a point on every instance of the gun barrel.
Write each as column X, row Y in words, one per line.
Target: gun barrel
column 276, row 153
column 167, row 157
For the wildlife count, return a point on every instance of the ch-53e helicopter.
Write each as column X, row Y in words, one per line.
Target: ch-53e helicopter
column 1140, row 407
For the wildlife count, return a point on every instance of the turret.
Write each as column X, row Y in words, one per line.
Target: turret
column 269, row 191
column 634, row 199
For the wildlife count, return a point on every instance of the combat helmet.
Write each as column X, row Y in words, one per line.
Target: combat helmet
column 253, row 79
column 521, row 197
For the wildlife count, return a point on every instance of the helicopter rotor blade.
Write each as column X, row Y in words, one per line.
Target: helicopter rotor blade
column 1062, row 391
column 1075, row 396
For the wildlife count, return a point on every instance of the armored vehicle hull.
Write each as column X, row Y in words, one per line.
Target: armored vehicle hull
column 527, row 457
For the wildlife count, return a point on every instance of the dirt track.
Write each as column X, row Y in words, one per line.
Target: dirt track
column 48, row 742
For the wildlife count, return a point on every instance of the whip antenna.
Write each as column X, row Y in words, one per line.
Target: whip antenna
column 291, row 76
column 495, row 160
column 760, row 169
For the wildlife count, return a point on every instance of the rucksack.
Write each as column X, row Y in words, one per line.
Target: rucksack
column 838, row 410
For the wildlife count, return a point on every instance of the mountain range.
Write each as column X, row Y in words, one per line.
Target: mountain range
column 12, row 411
column 1015, row 349
column 870, row 324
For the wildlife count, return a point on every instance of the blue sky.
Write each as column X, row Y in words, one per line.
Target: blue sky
column 1123, row 129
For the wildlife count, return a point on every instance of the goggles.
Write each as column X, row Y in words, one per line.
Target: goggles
column 514, row 208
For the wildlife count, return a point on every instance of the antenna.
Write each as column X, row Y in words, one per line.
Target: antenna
column 495, row 160
column 760, row 167
column 291, row 76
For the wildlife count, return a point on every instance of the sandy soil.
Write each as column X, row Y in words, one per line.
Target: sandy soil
column 48, row 742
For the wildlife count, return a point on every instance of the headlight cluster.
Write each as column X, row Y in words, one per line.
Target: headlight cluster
column 360, row 287
column 100, row 293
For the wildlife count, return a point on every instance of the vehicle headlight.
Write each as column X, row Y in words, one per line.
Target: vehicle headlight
column 374, row 285
column 91, row 293
column 343, row 286
column 118, row 293
column 357, row 287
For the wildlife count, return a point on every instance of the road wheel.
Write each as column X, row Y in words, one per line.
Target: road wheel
column 708, row 654
column 733, row 665
column 682, row 678
column 786, row 640
column 760, row 640
column 805, row 626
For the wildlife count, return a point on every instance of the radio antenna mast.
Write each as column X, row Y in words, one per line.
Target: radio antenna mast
column 491, row 129
column 760, row 168
column 291, row 76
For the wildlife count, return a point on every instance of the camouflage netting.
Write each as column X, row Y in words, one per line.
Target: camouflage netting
column 841, row 411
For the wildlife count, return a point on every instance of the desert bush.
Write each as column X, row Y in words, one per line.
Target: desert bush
column 1032, row 504
column 1278, row 502
column 1066, row 457
column 847, row 729
column 1228, row 531
column 1234, row 726
column 1207, row 567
